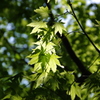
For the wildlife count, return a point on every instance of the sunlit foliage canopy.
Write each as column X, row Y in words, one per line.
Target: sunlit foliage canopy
column 49, row 50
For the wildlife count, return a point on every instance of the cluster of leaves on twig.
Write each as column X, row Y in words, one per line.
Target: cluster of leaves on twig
column 44, row 56
column 62, row 65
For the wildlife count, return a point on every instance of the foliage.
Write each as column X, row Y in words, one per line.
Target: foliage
column 56, row 61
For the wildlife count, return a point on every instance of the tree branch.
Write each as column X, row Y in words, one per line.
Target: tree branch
column 73, row 56
column 73, row 13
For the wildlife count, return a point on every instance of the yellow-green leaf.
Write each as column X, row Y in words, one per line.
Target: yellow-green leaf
column 58, row 27
column 37, row 26
column 78, row 91
column 50, row 47
column 15, row 97
column 72, row 92
column 48, row 1
column 98, row 22
column 41, row 79
column 43, row 11
column 34, row 59
column 37, row 66
column 56, row 1
column 53, row 62
column 6, row 97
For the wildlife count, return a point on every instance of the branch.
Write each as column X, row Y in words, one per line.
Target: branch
column 73, row 56
column 73, row 13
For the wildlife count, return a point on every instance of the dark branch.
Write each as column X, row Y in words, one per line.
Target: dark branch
column 73, row 56
column 73, row 13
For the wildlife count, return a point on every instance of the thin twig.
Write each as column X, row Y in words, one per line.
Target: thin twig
column 71, row 52
column 93, row 62
column 82, row 27
column 74, row 31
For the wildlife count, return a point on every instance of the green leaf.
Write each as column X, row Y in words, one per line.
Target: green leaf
column 78, row 91
column 48, row 1
column 70, row 76
column 6, row 97
column 34, row 59
column 37, row 66
column 37, row 26
column 41, row 79
column 32, row 77
column 52, row 65
column 58, row 27
column 43, row 11
column 54, row 84
column 48, row 68
column 50, row 47
column 56, row 1
column 53, row 62
column 43, row 59
column 15, row 97
column 98, row 22
column 48, row 35
column 72, row 92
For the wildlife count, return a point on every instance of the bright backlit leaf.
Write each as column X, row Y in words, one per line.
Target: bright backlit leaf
column 43, row 11
column 58, row 27
column 34, row 59
column 53, row 62
column 37, row 26
column 50, row 47
column 41, row 79
column 37, row 66
column 32, row 77
column 55, row 1
column 72, row 92
column 48, row 1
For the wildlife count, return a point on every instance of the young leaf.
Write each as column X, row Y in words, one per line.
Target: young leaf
column 34, row 59
column 47, row 68
column 37, row 66
column 56, row 1
column 32, row 77
column 43, row 11
column 58, row 27
column 43, row 59
column 37, row 26
column 50, row 47
column 70, row 76
column 41, row 79
column 78, row 91
column 53, row 62
column 48, row 1
column 6, row 97
column 72, row 92
column 98, row 22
